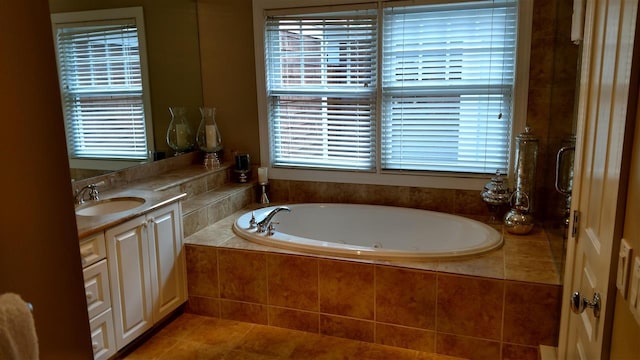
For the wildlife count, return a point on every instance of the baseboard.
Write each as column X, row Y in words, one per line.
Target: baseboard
column 547, row 352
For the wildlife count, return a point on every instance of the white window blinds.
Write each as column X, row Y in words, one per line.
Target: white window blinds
column 321, row 89
column 448, row 79
column 100, row 73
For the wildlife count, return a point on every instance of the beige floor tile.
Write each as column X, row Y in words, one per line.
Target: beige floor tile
column 153, row 348
column 188, row 350
column 270, row 341
column 195, row 337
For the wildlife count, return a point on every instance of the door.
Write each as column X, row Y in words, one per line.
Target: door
column 602, row 118
column 167, row 260
column 129, row 268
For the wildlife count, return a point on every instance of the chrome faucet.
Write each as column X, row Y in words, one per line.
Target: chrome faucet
column 266, row 223
column 93, row 193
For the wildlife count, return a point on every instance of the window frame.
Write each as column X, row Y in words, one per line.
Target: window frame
column 106, row 15
column 303, row 141
column 466, row 181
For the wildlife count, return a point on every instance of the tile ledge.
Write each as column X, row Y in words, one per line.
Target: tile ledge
column 216, row 195
column 184, row 175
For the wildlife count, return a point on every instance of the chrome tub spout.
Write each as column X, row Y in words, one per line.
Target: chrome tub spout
column 263, row 225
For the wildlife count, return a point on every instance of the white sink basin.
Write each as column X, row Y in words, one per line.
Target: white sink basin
column 109, row 206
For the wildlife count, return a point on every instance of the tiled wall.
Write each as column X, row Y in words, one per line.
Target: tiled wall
column 138, row 172
column 449, row 314
column 552, row 91
column 452, row 201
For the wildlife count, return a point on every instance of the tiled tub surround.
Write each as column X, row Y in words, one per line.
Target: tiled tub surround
column 501, row 305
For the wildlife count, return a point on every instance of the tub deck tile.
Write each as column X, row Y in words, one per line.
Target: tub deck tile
column 489, row 265
column 525, row 258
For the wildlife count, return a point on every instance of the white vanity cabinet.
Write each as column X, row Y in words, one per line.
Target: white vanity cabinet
column 147, row 271
column 97, row 291
column 134, row 276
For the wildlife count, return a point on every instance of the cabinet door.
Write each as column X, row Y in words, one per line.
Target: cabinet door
column 129, row 268
column 167, row 259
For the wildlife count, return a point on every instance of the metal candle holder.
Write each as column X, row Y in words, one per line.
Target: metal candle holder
column 211, row 160
column 264, row 199
column 242, row 168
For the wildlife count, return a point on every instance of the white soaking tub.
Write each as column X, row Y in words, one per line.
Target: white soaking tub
column 371, row 232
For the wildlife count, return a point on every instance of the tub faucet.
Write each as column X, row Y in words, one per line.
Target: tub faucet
column 264, row 224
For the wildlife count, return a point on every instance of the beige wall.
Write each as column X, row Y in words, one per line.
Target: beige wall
column 228, row 72
column 173, row 54
column 39, row 252
column 625, row 341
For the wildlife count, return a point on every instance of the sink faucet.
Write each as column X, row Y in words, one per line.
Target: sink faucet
column 93, row 193
column 265, row 223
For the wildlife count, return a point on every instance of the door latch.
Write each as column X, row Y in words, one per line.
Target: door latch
column 576, row 221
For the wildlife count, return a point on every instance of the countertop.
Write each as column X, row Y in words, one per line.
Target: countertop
column 88, row 225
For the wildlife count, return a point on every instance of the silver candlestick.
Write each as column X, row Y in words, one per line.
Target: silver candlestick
column 264, row 199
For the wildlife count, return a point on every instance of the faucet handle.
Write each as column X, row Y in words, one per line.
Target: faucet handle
column 271, row 229
column 93, row 190
column 252, row 222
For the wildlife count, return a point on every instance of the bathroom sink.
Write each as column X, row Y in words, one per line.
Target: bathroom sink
column 109, row 206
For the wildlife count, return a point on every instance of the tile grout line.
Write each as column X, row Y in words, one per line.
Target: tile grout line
column 375, row 304
column 318, row 293
column 504, row 302
column 219, row 282
column 266, row 274
column 435, row 325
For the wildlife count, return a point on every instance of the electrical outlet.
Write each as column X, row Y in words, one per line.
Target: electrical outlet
column 624, row 258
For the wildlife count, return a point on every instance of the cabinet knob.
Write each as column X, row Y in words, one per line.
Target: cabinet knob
column 95, row 346
column 89, row 296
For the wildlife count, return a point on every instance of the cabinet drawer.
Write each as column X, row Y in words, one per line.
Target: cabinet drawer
column 93, row 249
column 102, row 336
column 96, row 287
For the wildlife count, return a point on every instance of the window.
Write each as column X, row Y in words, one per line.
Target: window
column 101, row 65
column 388, row 87
column 321, row 85
column 448, row 76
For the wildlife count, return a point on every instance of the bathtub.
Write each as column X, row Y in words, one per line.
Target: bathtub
column 371, row 232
